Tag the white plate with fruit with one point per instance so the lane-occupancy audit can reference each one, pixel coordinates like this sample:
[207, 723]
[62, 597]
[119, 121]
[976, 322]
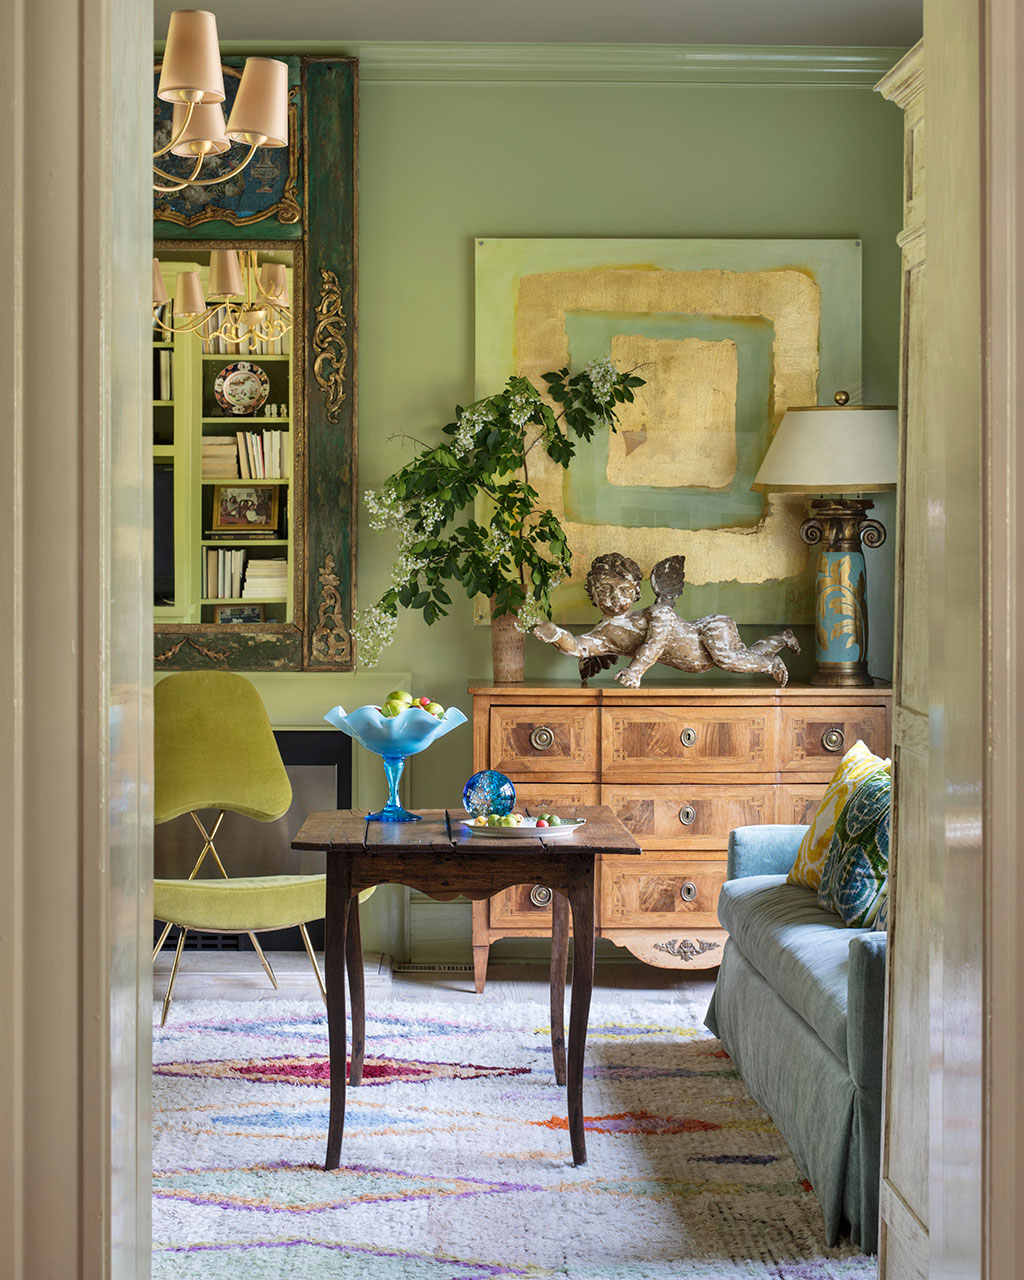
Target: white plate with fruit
[514, 826]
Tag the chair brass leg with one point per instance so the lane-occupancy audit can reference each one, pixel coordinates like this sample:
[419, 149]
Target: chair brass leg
[174, 974]
[163, 939]
[264, 961]
[312, 957]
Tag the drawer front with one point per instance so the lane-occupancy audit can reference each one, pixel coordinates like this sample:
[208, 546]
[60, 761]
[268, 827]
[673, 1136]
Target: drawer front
[562, 798]
[649, 892]
[544, 739]
[524, 906]
[814, 739]
[798, 802]
[677, 739]
[689, 815]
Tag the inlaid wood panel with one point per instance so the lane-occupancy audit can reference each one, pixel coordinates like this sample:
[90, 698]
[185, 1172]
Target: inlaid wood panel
[816, 738]
[688, 815]
[798, 802]
[556, 797]
[547, 740]
[646, 740]
[660, 892]
[516, 909]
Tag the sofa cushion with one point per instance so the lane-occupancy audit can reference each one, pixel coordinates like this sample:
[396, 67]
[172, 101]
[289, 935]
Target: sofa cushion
[855, 877]
[801, 950]
[858, 763]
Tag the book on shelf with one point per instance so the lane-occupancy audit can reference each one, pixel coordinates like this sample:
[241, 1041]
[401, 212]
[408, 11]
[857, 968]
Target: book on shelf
[265, 578]
[223, 572]
[220, 457]
[240, 535]
[261, 454]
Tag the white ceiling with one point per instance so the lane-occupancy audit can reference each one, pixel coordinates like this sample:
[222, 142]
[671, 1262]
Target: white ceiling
[782, 22]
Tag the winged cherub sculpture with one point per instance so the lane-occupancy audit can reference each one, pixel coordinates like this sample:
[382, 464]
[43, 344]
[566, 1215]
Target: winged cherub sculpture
[657, 633]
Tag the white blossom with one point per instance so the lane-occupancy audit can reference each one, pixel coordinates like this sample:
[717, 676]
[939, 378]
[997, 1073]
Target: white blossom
[385, 509]
[470, 422]
[374, 630]
[531, 612]
[602, 375]
[497, 544]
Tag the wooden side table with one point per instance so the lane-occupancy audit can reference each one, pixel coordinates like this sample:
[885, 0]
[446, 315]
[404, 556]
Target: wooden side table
[439, 857]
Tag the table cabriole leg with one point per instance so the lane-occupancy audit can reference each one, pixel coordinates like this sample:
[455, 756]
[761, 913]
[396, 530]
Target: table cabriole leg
[339, 892]
[559, 960]
[356, 992]
[581, 900]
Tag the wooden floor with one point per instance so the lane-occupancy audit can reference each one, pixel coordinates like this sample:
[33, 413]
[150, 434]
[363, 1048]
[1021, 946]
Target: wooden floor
[239, 976]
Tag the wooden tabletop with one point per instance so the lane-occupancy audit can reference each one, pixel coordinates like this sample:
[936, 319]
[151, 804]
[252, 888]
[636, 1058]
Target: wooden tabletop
[347, 831]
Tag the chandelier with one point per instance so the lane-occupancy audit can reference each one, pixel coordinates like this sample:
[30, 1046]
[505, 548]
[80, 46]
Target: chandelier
[192, 80]
[247, 304]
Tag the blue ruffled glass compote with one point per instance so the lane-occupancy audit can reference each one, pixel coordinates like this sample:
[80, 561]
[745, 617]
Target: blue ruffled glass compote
[393, 738]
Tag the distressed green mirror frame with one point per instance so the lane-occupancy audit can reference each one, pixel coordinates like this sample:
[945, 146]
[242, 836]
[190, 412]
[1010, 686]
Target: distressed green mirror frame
[316, 213]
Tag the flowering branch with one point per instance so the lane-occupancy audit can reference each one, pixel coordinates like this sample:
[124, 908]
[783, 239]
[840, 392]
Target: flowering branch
[519, 559]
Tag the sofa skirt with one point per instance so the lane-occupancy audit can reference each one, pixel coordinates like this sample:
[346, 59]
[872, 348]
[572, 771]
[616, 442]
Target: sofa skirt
[806, 1090]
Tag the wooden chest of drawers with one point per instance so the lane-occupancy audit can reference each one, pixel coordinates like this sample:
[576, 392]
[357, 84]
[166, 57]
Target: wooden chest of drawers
[681, 765]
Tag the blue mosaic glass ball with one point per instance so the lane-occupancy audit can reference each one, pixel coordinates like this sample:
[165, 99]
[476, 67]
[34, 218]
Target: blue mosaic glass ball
[488, 792]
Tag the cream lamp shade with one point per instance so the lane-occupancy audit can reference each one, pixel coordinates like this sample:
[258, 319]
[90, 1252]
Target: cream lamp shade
[191, 70]
[832, 449]
[274, 283]
[204, 134]
[225, 274]
[188, 296]
[159, 288]
[260, 111]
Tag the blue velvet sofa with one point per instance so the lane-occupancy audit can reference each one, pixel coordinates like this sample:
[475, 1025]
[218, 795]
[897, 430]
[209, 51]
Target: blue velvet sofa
[799, 1006]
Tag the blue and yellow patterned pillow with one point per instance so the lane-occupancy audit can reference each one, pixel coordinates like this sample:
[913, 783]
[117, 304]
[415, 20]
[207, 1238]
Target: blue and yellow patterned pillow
[855, 877]
[858, 763]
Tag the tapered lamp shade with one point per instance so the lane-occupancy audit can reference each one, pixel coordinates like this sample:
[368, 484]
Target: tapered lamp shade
[832, 449]
[188, 296]
[260, 109]
[225, 274]
[159, 288]
[205, 126]
[191, 70]
[274, 283]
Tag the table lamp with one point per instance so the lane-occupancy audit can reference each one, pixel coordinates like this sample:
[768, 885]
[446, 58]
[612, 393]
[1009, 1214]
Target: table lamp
[834, 451]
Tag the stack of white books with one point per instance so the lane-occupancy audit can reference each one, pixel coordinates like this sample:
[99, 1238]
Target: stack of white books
[220, 457]
[265, 579]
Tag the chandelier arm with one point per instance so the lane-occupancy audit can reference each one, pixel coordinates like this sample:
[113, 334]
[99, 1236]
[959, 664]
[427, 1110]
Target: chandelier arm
[176, 136]
[176, 178]
[225, 177]
[185, 328]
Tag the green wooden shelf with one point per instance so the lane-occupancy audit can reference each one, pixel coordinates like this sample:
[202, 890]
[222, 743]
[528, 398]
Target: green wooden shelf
[247, 600]
[241, 420]
[163, 404]
[163, 451]
[163, 346]
[233, 480]
[244, 542]
[251, 358]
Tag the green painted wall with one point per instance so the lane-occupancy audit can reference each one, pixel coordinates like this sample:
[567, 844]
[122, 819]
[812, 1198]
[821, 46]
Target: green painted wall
[442, 161]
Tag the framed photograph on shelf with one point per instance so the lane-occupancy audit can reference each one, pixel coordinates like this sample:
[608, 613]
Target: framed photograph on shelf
[239, 613]
[245, 507]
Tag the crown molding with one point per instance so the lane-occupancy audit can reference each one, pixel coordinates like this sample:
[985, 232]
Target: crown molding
[597, 63]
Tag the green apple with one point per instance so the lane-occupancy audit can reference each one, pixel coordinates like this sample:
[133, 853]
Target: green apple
[391, 708]
[435, 709]
[399, 695]
[554, 820]
[493, 819]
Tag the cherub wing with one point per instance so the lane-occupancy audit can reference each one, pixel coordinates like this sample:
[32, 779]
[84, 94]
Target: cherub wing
[667, 579]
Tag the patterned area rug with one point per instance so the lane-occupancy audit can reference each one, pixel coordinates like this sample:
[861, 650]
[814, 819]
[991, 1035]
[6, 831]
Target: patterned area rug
[456, 1159]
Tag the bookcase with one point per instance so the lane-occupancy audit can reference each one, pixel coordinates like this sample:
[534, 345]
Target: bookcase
[225, 484]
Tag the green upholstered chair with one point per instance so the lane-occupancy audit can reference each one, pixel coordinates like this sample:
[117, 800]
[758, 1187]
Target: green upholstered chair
[214, 749]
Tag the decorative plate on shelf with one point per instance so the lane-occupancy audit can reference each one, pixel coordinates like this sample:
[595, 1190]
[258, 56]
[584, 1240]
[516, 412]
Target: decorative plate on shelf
[528, 827]
[241, 387]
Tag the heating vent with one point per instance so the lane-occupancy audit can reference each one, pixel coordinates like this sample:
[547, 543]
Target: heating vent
[432, 968]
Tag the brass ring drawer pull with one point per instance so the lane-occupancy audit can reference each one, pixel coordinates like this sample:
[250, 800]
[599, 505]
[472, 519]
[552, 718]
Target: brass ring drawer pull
[833, 739]
[687, 815]
[542, 738]
[688, 891]
[540, 895]
[688, 737]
